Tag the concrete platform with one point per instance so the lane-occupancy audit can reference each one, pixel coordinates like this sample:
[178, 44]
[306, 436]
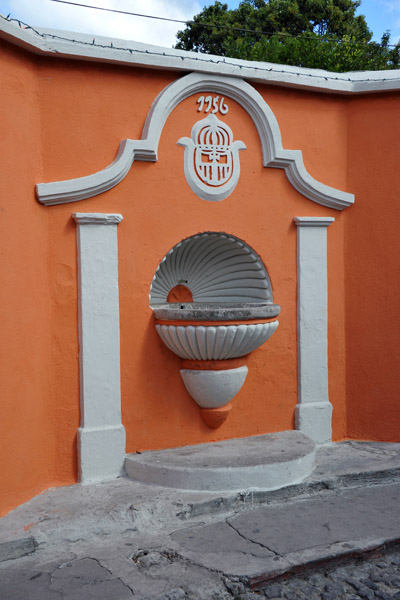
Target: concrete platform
[125, 539]
[264, 462]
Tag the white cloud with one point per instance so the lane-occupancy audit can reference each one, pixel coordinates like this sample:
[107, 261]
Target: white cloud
[46, 13]
[393, 10]
[392, 5]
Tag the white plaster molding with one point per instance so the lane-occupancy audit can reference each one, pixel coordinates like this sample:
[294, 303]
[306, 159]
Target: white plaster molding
[274, 155]
[216, 267]
[101, 436]
[214, 389]
[73, 190]
[313, 414]
[219, 342]
[79, 46]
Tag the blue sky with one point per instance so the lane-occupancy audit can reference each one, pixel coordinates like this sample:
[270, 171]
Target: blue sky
[381, 15]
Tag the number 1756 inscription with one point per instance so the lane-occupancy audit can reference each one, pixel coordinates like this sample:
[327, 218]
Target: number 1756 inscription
[215, 102]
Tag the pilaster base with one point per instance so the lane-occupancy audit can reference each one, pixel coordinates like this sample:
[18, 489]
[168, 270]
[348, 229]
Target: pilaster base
[314, 419]
[101, 453]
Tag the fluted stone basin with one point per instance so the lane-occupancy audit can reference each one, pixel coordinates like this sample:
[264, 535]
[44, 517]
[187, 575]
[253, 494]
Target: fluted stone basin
[217, 340]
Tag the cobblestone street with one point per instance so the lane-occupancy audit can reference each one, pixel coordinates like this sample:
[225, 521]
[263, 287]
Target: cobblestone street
[364, 579]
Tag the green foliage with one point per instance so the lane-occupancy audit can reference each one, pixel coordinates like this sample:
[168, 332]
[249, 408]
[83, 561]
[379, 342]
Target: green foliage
[323, 34]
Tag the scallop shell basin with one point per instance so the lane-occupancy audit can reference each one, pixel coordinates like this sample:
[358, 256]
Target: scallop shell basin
[220, 270]
[216, 267]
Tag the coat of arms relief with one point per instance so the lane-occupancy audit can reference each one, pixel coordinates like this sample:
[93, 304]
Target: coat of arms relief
[212, 166]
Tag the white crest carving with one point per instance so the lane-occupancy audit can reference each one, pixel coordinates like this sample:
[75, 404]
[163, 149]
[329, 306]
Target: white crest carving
[212, 165]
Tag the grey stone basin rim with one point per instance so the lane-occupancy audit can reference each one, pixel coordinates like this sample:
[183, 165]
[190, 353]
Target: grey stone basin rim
[221, 311]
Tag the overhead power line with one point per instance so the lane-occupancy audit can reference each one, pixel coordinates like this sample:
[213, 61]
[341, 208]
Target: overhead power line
[216, 26]
[115, 10]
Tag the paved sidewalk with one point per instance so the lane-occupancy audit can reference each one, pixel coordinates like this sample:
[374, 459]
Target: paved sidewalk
[123, 539]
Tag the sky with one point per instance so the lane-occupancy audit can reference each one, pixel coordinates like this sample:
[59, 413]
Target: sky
[381, 15]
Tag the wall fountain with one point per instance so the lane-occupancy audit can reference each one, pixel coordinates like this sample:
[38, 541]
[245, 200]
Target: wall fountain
[213, 305]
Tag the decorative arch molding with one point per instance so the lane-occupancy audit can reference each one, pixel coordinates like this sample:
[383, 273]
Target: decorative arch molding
[274, 155]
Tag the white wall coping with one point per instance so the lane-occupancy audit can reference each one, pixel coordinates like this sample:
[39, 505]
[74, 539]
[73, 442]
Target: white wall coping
[65, 44]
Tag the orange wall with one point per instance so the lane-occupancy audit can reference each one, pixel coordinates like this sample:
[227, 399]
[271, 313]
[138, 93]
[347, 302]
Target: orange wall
[66, 119]
[372, 269]
[27, 423]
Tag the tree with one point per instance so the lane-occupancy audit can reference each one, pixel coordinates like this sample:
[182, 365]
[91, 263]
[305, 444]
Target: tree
[324, 34]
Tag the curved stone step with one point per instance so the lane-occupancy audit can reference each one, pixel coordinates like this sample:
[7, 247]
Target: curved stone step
[264, 462]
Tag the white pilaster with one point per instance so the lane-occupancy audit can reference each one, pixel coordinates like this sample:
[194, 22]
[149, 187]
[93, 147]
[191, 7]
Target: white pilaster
[101, 436]
[313, 414]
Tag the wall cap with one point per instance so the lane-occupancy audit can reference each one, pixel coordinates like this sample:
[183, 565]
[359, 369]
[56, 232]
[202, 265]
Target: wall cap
[97, 218]
[78, 46]
[313, 221]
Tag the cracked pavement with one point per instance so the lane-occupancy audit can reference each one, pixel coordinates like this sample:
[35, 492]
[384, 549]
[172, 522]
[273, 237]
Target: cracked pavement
[123, 539]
